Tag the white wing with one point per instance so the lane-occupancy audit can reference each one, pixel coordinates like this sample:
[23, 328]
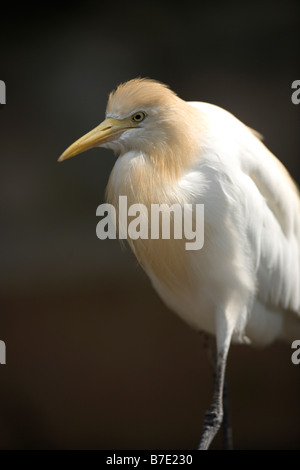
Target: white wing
[270, 206]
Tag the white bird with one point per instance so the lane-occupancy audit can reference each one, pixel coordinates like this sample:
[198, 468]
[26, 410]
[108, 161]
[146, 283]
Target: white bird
[243, 286]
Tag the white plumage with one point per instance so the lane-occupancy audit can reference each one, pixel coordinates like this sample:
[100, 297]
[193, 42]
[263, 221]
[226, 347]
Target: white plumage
[252, 235]
[244, 284]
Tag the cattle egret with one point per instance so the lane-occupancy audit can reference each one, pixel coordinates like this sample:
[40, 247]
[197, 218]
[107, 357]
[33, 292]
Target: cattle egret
[243, 286]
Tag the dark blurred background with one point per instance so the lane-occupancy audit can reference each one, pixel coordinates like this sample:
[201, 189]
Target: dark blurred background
[94, 359]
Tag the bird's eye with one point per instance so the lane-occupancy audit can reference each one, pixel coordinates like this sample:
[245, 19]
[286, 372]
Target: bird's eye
[139, 116]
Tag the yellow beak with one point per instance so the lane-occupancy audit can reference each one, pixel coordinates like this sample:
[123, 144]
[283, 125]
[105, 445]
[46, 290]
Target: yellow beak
[105, 132]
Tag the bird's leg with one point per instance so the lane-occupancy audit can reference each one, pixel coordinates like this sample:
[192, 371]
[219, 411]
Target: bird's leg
[214, 415]
[226, 426]
[210, 349]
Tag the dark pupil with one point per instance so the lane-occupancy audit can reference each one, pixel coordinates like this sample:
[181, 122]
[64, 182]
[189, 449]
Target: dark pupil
[138, 117]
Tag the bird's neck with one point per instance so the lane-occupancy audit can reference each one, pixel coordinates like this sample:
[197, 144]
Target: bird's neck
[153, 177]
[135, 177]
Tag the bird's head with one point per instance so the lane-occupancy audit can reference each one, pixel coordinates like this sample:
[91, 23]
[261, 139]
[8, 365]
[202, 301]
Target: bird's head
[146, 116]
